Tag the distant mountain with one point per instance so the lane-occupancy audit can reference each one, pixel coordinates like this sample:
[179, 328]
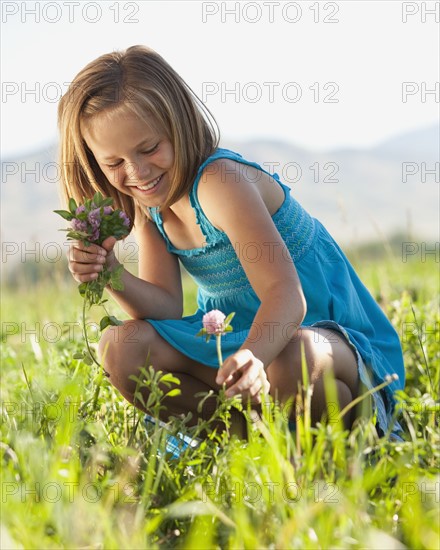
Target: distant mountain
[421, 144]
[362, 195]
[359, 195]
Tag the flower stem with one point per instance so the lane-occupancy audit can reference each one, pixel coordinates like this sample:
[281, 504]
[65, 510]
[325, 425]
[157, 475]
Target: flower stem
[219, 349]
[89, 349]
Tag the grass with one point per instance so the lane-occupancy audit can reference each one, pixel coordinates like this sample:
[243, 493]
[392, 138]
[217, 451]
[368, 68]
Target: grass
[80, 471]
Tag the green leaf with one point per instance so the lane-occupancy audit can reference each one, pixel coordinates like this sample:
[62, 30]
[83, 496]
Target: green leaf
[229, 318]
[107, 202]
[117, 285]
[65, 214]
[139, 397]
[116, 278]
[170, 378]
[109, 320]
[98, 199]
[173, 392]
[78, 355]
[88, 359]
[104, 323]
[115, 322]
[77, 235]
[151, 399]
[72, 205]
[82, 288]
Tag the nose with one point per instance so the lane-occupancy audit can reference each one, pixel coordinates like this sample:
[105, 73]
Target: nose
[137, 170]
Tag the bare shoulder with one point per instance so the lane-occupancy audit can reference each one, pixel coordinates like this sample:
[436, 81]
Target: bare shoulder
[235, 204]
[226, 183]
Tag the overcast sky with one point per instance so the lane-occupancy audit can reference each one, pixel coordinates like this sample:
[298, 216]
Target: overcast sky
[337, 69]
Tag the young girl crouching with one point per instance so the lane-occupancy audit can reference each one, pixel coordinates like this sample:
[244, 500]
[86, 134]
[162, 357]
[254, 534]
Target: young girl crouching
[132, 129]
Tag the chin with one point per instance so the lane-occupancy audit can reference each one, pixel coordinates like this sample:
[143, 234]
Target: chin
[152, 203]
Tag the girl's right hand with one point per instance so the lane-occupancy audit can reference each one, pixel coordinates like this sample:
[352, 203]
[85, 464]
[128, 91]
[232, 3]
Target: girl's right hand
[85, 262]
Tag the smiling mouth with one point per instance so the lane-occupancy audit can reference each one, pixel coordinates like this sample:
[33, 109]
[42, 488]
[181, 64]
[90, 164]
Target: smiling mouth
[150, 185]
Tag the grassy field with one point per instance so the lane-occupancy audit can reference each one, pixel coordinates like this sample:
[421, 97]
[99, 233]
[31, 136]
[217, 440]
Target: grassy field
[79, 469]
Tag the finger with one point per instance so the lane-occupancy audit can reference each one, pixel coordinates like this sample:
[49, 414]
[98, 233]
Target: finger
[109, 243]
[232, 379]
[92, 248]
[85, 278]
[253, 378]
[258, 391]
[77, 268]
[233, 363]
[78, 252]
[241, 386]
[260, 386]
[253, 395]
[81, 257]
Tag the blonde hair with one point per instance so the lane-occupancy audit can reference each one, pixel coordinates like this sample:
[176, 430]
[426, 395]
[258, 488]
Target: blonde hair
[140, 80]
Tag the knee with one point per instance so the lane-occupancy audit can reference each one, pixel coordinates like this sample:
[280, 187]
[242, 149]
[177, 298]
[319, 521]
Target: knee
[303, 346]
[286, 371]
[124, 344]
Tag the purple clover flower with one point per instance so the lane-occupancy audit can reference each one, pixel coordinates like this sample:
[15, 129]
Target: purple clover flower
[124, 218]
[80, 209]
[107, 210]
[94, 218]
[79, 225]
[95, 235]
[213, 322]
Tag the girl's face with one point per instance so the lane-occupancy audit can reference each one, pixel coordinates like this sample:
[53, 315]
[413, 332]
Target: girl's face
[135, 158]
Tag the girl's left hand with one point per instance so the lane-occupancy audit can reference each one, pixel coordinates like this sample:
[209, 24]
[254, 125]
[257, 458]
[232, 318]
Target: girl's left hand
[244, 374]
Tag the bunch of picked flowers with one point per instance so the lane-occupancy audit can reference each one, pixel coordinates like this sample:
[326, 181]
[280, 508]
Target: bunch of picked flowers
[92, 223]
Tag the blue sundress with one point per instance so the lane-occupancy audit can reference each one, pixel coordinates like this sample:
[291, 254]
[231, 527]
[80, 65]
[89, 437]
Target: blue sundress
[335, 296]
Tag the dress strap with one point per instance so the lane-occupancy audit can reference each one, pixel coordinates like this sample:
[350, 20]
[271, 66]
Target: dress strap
[157, 219]
[211, 233]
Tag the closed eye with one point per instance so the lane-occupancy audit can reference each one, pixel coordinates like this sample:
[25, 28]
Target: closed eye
[151, 150]
[112, 166]
[116, 164]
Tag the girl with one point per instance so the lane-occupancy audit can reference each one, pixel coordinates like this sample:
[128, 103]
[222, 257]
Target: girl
[132, 128]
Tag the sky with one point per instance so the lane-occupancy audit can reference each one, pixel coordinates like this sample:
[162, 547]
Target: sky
[321, 75]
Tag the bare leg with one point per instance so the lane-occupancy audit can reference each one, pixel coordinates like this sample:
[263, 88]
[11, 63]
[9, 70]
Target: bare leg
[126, 348]
[324, 349]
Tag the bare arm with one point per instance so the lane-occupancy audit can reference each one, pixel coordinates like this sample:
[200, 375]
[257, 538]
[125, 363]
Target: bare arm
[273, 277]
